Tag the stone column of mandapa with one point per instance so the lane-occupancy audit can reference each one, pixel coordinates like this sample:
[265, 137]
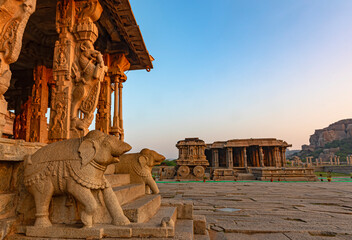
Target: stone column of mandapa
[215, 157]
[229, 158]
[245, 157]
[122, 136]
[261, 157]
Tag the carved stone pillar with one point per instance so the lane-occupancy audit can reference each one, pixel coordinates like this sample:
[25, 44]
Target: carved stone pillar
[229, 158]
[215, 158]
[78, 69]
[283, 157]
[22, 121]
[257, 160]
[121, 131]
[13, 19]
[261, 157]
[103, 117]
[38, 130]
[119, 65]
[275, 157]
[245, 164]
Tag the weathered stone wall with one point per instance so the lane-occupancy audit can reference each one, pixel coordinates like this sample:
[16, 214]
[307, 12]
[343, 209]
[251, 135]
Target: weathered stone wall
[335, 169]
[12, 153]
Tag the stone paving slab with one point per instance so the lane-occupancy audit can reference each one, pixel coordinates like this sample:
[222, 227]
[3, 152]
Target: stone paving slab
[269, 210]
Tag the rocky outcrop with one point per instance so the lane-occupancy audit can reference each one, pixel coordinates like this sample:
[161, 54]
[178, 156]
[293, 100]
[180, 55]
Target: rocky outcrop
[336, 131]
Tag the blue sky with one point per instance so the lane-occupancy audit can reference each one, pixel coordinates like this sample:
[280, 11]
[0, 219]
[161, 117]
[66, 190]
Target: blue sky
[227, 69]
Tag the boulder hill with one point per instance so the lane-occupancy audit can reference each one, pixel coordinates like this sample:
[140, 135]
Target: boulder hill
[336, 131]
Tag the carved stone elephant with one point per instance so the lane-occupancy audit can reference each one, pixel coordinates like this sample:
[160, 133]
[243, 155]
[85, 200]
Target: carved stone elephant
[75, 166]
[139, 166]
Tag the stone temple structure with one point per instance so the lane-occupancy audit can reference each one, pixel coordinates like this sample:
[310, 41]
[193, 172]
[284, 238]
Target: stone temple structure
[191, 162]
[242, 153]
[253, 159]
[70, 56]
[238, 159]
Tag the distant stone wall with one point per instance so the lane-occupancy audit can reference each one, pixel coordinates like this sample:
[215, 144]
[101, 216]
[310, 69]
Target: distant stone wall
[335, 169]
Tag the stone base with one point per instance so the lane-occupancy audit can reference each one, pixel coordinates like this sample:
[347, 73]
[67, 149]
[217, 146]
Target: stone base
[15, 150]
[223, 174]
[62, 231]
[284, 174]
[153, 228]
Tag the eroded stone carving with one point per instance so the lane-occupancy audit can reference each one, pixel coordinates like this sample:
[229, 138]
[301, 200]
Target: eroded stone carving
[76, 167]
[13, 19]
[139, 166]
[87, 75]
[78, 70]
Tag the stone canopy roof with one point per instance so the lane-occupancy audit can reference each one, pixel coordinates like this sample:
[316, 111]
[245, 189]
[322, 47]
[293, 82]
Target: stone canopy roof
[119, 22]
[262, 142]
[118, 33]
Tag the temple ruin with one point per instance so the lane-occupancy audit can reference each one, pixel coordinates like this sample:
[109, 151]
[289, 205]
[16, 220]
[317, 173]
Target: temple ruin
[243, 153]
[192, 161]
[73, 58]
[238, 159]
[69, 58]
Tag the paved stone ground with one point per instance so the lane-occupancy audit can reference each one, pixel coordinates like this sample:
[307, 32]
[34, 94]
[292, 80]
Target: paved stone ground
[270, 210]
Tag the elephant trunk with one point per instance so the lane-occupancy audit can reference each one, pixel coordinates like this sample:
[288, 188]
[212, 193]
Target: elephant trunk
[120, 148]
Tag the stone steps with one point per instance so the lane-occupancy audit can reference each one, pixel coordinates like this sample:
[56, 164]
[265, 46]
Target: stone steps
[142, 209]
[128, 193]
[155, 228]
[202, 237]
[151, 229]
[184, 229]
[117, 180]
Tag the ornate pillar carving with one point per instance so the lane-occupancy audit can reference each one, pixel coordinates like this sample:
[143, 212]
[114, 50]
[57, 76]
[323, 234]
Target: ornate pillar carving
[38, 131]
[103, 117]
[78, 69]
[229, 158]
[13, 19]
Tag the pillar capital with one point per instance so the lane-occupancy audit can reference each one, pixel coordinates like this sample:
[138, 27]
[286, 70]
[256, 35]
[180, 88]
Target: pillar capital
[118, 65]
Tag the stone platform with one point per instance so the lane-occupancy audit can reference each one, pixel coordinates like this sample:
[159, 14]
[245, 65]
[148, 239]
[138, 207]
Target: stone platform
[284, 174]
[269, 210]
[12, 153]
[150, 217]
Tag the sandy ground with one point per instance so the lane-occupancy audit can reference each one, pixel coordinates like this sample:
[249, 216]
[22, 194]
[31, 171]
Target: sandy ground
[269, 210]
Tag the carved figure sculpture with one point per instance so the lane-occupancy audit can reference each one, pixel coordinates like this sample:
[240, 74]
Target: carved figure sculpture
[139, 166]
[75, 166]
[87, 75]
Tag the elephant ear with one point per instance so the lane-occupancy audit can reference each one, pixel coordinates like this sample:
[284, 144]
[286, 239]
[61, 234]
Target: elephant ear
[143, 160]
[87, 151]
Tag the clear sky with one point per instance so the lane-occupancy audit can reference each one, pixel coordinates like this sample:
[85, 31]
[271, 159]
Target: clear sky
[227, 69]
